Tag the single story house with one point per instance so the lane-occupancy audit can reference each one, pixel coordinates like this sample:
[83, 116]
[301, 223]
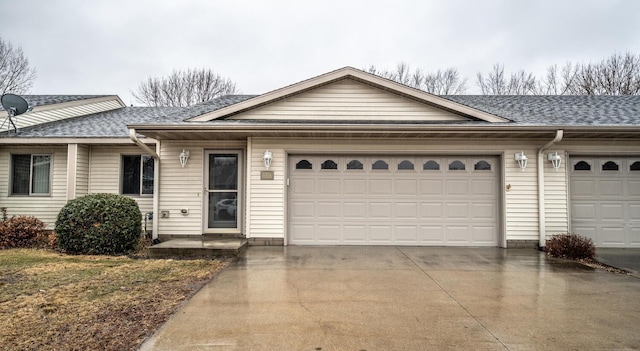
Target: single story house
[344, 158]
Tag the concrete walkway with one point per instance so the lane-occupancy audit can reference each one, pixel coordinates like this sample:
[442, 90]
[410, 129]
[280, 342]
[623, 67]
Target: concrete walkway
[389, 298]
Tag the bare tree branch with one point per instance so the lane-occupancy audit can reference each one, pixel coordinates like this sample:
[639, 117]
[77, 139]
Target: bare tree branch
[15, 74]
[447, 82]
[183, 88]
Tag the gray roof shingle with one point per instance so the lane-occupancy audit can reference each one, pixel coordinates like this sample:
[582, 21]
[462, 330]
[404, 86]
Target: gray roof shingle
[558, 109]
[42, 100]
[526, 110]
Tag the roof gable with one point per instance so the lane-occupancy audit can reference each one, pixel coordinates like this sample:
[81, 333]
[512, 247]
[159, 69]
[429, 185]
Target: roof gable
[348, 87]
[52, 108]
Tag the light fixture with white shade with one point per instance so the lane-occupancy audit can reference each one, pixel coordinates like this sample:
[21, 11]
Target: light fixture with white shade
[184, 157]
[556, 160]
[267, 158]
[521, 158]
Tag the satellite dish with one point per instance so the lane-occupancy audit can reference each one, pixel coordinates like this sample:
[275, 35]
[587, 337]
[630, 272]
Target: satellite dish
[14, 105]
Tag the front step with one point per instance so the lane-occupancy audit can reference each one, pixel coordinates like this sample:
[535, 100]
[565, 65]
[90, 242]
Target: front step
[192, 248]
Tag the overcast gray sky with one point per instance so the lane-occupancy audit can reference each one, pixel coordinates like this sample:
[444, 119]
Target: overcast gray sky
[109, 47]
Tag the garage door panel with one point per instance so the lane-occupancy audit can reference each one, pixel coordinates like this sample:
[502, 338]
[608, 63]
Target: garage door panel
[304, 232]
[584, 211]
[329, 210]
[406, 210]
[431, 187]
[432, 234]
[354, 233]
[303, 209]
[356, 187]
[611, 235]
[328, 232]
[484, 234]
[406, 186]
[484, 187]
[380, 187]
[380, 233]
[379, 210]
[634, 236]
[303, 186]
[610, 188]
[605, 203]
[612, 212]
[483, 211]
[581, 188]
[457, 234]
[457, 210]
[633, 186]
[634, 211]
[457, 187]
[355, 210]
[431, 210]
[393, 206]
[406, 233]
[329, 187]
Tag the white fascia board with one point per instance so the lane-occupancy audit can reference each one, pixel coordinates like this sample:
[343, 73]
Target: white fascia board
[349, 72]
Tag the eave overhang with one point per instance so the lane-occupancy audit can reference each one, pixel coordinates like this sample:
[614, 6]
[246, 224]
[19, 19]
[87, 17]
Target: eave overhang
[241, 131]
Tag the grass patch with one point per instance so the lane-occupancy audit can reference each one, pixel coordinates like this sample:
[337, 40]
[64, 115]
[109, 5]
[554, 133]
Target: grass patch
[51, 301]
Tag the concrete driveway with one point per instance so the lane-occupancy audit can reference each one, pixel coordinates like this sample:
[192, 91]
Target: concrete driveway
[406, 298]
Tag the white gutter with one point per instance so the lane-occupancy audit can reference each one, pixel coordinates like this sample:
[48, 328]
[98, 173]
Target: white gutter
[156, 177]
[541, 208]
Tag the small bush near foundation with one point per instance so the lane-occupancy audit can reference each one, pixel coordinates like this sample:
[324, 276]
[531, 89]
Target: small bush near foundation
[570, 246]
[21, 231]
[100, 224]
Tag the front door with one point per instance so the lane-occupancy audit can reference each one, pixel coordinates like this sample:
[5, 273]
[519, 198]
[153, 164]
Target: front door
[222, 189]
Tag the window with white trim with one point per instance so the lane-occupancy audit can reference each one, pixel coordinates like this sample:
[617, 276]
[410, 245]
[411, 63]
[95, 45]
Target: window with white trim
[31, 174]
[137, 175]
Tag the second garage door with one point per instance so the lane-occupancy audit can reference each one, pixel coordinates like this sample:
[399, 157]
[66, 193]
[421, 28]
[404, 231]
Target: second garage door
[395, 200]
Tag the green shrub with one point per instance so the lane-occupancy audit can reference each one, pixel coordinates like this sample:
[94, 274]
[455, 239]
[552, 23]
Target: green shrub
[102, 224]
[570, 246]
[21, 231]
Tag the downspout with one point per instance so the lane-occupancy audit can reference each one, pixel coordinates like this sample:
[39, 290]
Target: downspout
[143, 146]
[156, 177]
[541, 208]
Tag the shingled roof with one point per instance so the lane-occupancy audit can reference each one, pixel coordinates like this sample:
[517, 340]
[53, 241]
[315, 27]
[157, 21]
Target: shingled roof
[519, 110]
[43, 100]
[558, 109]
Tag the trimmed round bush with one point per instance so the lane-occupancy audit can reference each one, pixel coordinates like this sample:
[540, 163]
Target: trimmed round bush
[21, 232]
[100, 224]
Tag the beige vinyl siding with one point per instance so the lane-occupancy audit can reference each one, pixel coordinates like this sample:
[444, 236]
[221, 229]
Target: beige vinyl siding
[183, 187]
[82, 171]
[348, 99]
[56, 114]
[267, 197]
[44, 207]
[104, 172]
[556, 197]
[521, 199]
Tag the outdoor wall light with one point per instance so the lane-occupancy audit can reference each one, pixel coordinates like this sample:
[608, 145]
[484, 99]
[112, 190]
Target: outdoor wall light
[555, 159]
[267, 158]
[184, 157]
[521, 159]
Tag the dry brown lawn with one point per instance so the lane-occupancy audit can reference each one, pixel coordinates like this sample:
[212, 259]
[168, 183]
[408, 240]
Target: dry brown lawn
[51, 301]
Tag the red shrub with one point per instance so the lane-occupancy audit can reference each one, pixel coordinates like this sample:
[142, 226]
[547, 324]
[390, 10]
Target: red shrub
[21, 231]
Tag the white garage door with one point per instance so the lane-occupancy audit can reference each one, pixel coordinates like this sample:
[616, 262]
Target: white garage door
[365, 200]
[605, 200]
